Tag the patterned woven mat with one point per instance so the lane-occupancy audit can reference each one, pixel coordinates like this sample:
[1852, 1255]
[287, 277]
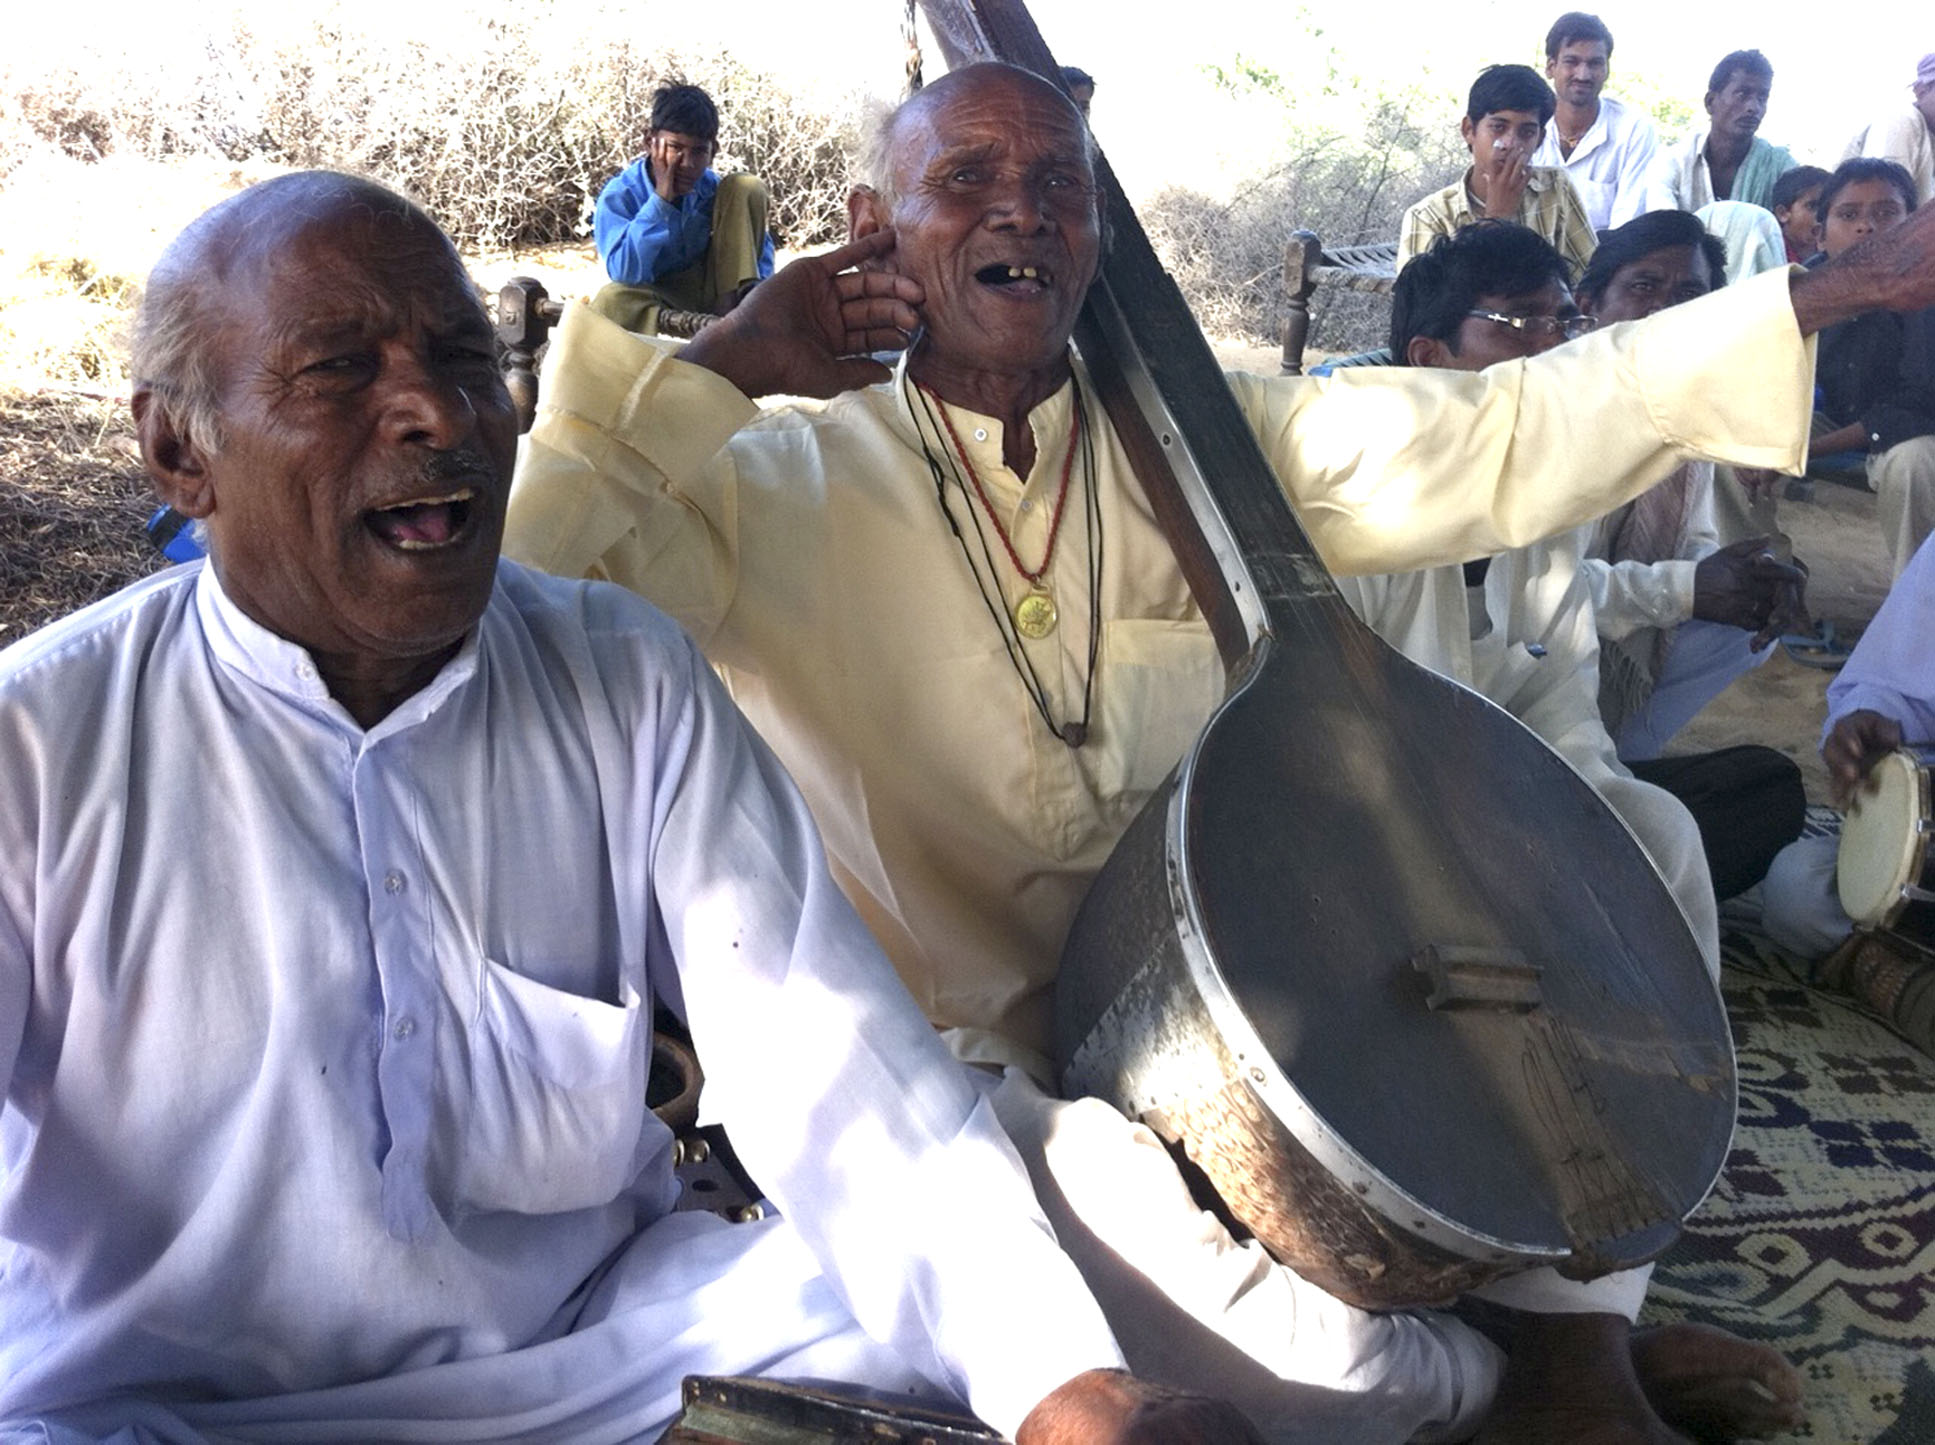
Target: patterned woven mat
[1820, 1237]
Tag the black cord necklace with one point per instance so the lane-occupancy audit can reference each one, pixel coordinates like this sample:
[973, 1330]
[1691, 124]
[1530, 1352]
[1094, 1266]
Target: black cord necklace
[1073, 733]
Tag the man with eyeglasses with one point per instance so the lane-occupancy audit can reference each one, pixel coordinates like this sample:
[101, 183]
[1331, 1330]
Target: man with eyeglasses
[681, 243]
[1682, 616]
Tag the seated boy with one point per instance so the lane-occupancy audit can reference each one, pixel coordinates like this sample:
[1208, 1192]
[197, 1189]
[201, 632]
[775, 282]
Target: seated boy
[1505, 118]
[1875, 373]
[1795, 203]
[681, 243]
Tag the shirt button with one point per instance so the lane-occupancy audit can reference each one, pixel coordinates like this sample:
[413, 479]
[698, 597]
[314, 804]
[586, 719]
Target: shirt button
[1027, 506]
[403, 1028]
[980, 433]
[392, 882]
[306, 671]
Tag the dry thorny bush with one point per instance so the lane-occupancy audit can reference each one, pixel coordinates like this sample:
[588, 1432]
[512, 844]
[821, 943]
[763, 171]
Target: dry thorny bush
[505, 132]
[507, 146]
[1227, 255]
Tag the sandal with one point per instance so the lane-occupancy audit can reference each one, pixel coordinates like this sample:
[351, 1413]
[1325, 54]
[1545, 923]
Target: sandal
[1820, 648]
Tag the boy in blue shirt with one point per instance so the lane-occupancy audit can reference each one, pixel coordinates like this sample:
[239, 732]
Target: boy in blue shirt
[681, 243]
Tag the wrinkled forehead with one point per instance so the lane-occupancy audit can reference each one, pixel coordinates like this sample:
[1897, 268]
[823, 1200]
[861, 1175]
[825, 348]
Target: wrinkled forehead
[351, 266]
[991, 109]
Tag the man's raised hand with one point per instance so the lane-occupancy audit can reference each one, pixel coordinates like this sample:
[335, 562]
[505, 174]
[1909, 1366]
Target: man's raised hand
[807, 330]
[1893, 270]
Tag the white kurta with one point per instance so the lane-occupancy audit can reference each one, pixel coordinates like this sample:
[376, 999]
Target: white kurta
[1633, 602]
[327, 1048]
[1608, 167]
[1901, 135]
[1629, 595]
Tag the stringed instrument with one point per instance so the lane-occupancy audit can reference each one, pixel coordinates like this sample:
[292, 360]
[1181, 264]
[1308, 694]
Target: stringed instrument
[1396, 977]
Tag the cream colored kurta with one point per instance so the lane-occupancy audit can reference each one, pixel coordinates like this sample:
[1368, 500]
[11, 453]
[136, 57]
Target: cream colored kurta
[807, 551]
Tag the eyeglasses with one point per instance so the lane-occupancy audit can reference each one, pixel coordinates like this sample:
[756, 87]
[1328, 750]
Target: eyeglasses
[1570, 327]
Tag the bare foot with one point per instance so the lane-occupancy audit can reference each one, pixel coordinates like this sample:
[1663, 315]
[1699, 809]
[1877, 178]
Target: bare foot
[1570, 1379]
[1715, 1386]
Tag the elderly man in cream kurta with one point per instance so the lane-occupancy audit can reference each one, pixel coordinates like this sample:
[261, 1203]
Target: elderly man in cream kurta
[848, 567]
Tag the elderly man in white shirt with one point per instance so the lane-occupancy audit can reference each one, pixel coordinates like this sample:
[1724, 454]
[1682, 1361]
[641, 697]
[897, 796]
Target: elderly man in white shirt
[342, 878]
[1603, 145]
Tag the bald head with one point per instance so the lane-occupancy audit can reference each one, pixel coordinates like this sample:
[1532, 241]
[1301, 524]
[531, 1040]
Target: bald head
[879, 166]
[347, 437]
[987, 182]
[176, 354]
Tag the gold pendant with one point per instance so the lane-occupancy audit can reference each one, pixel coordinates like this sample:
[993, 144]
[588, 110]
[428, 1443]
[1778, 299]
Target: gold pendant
[1035, 615]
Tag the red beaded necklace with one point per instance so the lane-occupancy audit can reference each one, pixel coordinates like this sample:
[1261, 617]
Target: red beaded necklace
[1035, 613]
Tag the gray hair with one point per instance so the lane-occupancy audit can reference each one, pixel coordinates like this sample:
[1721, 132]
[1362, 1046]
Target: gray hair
[172, 359]
[876, 159]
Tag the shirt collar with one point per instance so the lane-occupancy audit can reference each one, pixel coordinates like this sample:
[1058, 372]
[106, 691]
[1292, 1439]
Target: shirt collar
[1596, 134]
[982, 435]
[272, 662]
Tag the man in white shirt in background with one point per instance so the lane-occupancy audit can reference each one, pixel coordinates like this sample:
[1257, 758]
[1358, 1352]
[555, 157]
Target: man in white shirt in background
[1603, 145]
[1906, 134]
[1726, 159]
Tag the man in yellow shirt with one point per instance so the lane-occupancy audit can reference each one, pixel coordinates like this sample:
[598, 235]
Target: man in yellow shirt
[870, 579]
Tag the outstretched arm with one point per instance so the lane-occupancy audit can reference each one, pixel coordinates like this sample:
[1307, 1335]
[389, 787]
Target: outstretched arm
[1893, 270]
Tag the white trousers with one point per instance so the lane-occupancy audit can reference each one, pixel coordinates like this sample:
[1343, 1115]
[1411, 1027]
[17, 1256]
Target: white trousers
[1903, 478]
[1701, 664]
[1191, 1306]
[691, 1295]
